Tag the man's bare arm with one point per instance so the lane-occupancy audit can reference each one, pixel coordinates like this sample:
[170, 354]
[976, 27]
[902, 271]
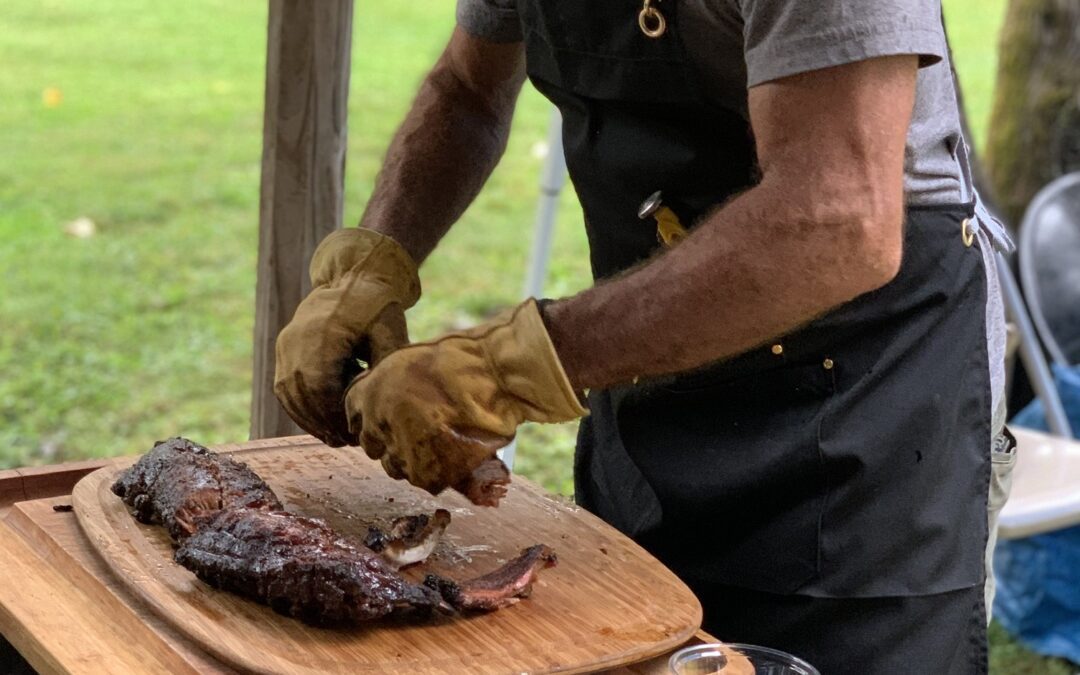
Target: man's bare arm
[824, 226]
[449, 143]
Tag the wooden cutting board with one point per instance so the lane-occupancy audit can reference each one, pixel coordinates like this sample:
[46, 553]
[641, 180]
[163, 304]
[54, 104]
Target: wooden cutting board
[607, 603]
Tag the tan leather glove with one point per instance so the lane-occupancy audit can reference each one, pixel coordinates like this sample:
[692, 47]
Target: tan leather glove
[362, 283]
[434, 412]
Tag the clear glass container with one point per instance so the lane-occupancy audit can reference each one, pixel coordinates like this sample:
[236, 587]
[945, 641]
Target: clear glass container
[710, 659]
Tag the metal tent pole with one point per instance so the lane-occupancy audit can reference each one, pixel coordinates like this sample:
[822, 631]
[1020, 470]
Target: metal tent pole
[1030, 353]
[552, 181]
[551, 184]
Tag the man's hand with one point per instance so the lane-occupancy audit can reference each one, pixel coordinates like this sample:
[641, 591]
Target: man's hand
[362, 283]
[445, 149]
[433, 412]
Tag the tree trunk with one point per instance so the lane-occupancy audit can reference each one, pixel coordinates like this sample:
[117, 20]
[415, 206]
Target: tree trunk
[978, 171]
[1035, 123]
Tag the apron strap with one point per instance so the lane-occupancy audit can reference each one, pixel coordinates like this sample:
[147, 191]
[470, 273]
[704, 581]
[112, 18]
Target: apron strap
[999, 235]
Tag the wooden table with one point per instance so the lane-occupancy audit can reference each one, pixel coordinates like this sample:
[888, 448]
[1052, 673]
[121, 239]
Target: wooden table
[87, 623]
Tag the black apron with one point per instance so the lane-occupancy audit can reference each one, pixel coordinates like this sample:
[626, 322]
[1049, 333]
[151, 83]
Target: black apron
[825, 494]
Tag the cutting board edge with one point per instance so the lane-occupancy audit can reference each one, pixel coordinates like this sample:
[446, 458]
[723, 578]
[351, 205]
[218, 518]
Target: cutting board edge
[57, 560]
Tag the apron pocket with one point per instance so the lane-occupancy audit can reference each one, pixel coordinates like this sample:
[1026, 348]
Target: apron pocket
[736, 467]
[1002, 463]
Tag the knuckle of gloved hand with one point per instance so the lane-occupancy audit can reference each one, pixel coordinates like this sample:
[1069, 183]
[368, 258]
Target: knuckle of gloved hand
[355, 423]
[372, 448]
[281, 385]
[335, 441]
[394, 467]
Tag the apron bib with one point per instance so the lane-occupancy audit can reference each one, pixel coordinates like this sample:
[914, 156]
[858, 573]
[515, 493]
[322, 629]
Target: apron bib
[847, 460]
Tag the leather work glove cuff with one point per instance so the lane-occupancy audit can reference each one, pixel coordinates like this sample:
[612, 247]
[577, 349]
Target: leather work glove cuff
[378, 257]
[436, 412]
[523, 358]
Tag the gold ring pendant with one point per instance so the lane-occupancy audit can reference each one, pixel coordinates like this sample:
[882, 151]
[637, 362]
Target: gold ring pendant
[651, 21]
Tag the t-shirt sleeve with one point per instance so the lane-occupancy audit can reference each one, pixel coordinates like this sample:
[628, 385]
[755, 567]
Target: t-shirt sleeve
[786, 37]
[493, 20]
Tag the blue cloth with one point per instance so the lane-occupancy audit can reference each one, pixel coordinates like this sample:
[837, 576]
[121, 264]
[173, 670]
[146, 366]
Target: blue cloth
[1033, 416]
[1038, 597]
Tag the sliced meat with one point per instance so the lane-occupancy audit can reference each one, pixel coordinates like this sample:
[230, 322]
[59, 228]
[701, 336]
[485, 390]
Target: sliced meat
[499, 588]
[300, 567]
[410, 539]
[233, 532]
[180, 482]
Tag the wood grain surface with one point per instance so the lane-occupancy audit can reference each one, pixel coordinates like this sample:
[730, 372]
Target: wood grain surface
[35, 482]
[67, 613]
[608, 603]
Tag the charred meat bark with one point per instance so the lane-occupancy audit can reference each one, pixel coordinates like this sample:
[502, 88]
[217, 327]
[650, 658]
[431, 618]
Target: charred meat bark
[234, 533]
[503, 587]
[409, 539]
[179, 482]
[300, 567]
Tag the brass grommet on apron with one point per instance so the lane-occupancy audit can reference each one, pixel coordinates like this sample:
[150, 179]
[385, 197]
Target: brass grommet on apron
[651, 21]
[777, 349]
[827, 364]
[967, 232]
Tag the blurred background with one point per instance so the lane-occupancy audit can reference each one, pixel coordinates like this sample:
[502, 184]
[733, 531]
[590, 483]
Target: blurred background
[130, 145]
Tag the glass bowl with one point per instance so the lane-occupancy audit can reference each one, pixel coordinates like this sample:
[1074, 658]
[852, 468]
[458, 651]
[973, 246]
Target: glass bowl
[711, 659]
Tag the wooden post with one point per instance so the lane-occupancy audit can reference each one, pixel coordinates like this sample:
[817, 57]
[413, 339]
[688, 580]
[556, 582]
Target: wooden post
[303, 171]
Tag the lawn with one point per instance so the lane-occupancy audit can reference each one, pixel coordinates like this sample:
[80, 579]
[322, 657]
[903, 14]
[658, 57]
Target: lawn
[146, 119]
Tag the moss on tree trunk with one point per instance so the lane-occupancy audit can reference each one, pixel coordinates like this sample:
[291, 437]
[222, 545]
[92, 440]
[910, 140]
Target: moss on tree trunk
[1035, 122]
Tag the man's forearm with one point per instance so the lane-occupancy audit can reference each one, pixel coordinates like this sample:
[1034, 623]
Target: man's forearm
[444, 151]
[755, 269]
[824, 226]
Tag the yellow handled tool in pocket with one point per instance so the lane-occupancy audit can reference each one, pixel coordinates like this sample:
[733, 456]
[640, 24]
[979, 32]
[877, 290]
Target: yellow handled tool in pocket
[669, 230]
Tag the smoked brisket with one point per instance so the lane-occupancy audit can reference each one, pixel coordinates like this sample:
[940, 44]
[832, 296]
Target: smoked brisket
[179, 482]
[300, 567]
[233, 532]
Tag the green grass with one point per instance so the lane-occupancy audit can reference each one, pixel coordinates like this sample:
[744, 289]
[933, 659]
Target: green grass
[144, 329]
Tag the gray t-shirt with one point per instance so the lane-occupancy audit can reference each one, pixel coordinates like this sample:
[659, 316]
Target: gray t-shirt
[737, 44]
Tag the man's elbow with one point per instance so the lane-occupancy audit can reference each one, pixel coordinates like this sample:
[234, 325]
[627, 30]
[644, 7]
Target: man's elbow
[861, 239]
[878, 243]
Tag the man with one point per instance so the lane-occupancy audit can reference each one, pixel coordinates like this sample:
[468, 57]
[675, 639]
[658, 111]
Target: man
[791, 405]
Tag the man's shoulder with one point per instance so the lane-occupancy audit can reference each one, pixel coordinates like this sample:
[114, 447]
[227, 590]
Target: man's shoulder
[785, 37]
